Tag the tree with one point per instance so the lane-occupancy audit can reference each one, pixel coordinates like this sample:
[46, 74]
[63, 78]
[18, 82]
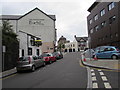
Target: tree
[9, 39]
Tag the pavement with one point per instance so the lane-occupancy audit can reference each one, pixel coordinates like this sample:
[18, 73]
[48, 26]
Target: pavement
[109, 64]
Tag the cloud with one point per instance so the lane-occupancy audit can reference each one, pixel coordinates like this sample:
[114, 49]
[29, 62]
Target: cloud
[70, 16]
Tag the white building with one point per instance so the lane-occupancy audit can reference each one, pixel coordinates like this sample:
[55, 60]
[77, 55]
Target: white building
[35, 25]
[79, 44]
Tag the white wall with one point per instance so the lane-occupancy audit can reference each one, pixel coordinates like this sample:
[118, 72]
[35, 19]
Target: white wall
[46, 30]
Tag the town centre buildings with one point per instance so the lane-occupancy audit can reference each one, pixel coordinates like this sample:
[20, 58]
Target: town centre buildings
[34, 26]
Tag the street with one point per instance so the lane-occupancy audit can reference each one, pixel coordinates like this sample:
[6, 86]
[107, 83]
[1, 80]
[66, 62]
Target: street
[64, 73]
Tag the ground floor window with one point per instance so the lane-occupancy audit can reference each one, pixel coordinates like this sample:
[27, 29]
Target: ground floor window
[29, 51]
[22, 52]
[37, 52]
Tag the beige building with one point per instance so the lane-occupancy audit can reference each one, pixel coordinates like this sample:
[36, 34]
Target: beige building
[34, 23]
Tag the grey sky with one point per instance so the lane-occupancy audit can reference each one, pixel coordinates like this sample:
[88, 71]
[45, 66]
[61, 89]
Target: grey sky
[71, 15]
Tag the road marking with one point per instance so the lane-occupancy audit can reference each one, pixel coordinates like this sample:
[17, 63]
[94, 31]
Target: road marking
[99, 70]
[8, 77]
[93, 74]
[101, 73]
[95, 85]
[89, 83]
[92, 70]
[104, 78]
[107, 85]
[94, 78]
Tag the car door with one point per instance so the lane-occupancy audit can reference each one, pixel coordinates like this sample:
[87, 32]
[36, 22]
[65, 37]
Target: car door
[101, 53]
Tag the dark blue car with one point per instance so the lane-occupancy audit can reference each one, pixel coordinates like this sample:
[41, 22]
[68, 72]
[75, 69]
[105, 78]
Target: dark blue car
[112, 52]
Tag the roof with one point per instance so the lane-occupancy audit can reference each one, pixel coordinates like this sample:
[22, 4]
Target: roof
[79, 38]
[16, 17]
[93, 6]
[10, 17]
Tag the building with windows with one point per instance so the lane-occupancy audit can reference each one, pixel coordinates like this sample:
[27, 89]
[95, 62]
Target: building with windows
[36, 31]
[104, 24]
[79, 44]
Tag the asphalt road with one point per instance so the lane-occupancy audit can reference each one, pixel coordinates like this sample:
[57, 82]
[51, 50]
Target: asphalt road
[64, 73]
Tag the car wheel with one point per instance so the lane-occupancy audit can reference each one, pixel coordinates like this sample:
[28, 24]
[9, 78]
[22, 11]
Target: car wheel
[33, 68]
[50, 62]
[114, 57]
[44, 64]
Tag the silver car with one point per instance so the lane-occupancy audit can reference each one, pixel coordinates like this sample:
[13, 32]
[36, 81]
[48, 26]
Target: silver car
[29, 63]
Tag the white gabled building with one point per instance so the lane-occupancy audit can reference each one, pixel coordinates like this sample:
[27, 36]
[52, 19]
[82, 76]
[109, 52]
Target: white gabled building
[79, 44]
[34, 25]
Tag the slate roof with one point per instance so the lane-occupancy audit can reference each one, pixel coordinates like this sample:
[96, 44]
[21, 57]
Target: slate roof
[79, 38]
[16, 17]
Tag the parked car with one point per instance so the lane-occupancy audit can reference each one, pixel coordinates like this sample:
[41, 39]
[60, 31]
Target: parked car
[58, 55]
[112, 52]
[48, 57]
[29, 63]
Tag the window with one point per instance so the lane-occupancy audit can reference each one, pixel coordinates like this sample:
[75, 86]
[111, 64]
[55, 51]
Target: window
[111, 5]
[111, 19]
[91, 30]
[102, 12]
[29, 51]
[103, 24]
[97, 28]
[116, 34]
[90, 21]
[96, 17]
[22, 52]
[37, 52]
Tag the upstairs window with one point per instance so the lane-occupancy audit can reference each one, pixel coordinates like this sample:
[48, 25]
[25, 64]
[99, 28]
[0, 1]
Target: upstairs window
[102, 12]
[90, 21]
[96, 17]
[91, 31]
[111, 19]
[103, 24]
[111, 6]
[96, 28]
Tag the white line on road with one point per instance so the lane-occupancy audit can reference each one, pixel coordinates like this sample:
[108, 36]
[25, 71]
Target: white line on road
[104, 78]
[107, 85]
[101, 73]
[92, 70]
[99, 70]
[93, 74]
[94, 78]
[95, 85]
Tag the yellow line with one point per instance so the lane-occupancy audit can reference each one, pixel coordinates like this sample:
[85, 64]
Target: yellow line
[8, 77]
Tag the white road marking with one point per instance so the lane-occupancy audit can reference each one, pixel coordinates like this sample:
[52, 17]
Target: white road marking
[101, 73]
[92, 70]
[107, 85]
[94, 78]
[93, 74]
[99, 70]
[95, 85]
[104, 78]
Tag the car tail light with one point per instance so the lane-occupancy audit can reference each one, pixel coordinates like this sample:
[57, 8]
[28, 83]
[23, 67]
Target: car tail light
[29, 59]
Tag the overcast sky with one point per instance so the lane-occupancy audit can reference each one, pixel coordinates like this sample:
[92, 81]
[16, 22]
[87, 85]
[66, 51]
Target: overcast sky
[71, 15]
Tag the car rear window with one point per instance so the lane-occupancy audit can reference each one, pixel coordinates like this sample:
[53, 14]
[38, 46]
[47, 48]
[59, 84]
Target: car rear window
[118, 48]
[23, 58]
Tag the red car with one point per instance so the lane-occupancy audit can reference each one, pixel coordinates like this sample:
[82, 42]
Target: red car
[48, 57]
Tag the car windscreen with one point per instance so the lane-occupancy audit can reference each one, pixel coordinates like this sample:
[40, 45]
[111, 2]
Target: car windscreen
[46, 55]
[23, 58]
[118, 48]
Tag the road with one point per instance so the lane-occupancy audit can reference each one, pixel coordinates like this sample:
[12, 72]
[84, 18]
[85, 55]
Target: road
[64, 73]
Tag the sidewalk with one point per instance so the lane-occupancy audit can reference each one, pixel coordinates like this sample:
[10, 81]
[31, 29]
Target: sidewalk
[8, 72]
[102, 63]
